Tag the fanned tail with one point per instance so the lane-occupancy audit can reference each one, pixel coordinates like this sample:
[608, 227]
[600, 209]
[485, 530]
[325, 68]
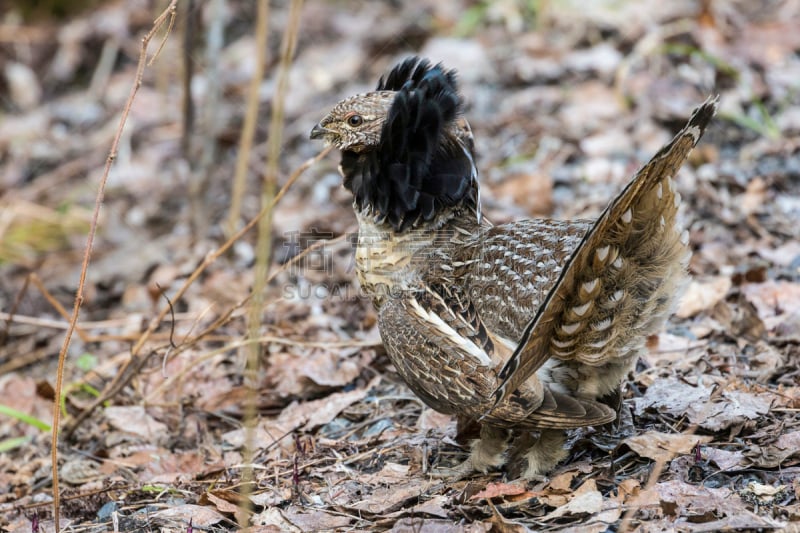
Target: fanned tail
[600, 301]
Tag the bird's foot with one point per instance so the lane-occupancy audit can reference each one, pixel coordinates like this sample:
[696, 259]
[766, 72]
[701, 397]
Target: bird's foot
[486, 453]
[543, 456]
[458, 472]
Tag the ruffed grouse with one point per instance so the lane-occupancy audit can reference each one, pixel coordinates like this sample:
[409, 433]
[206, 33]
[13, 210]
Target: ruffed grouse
[529, 327]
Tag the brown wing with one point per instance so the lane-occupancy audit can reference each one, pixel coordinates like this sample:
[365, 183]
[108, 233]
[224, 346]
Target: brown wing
[614, 279]
[437, 353]
[444, 354]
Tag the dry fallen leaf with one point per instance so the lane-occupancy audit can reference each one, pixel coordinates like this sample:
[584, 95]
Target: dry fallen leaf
[79, 470]
[675, 397]
[225, 501]
[732, 408]
[315, 520]
[314, 413]
[671, 396]
[436, 506]
[586, 500]
[562, 483]
[664, 446]
[501, 524]
[724, 459]
[200, 516]
[274, 517]
[425, 525]
[685, 499]
[627, 489]
[499, 490]
[135, 420]
[703, 295]
[386, 499]
[785, 449]
[776, 301]
[271, 497]
[390, 473]
[298, 371]
[558, 491]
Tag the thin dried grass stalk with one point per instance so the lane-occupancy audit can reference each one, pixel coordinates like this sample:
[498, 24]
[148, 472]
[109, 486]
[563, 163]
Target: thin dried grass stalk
[264, 244]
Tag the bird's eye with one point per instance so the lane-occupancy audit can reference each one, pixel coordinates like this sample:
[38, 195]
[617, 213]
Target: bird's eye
[355, 120]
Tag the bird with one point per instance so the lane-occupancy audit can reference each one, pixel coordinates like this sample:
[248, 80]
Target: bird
[528, 328]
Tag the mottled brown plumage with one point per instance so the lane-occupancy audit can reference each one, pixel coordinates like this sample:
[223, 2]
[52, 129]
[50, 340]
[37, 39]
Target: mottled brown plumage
[525, 327]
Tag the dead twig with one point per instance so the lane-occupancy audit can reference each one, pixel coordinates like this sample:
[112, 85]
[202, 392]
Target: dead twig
[167, 15]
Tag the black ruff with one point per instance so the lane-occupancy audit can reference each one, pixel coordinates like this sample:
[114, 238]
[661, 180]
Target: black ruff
[419, 167]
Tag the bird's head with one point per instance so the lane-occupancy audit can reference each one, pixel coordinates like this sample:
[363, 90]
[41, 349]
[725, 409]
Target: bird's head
[406, 152]
[355, 123]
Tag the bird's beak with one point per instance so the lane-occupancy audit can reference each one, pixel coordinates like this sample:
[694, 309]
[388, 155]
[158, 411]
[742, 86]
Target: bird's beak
[318, 132]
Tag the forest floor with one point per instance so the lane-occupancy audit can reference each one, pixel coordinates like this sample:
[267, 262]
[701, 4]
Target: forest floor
[566, 99]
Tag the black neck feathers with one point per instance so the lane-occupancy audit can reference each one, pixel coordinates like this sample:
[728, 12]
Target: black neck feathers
[421, 164]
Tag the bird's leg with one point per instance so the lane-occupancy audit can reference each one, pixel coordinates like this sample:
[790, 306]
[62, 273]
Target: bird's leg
[486, 453]
[489, 451]
[541, 456]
